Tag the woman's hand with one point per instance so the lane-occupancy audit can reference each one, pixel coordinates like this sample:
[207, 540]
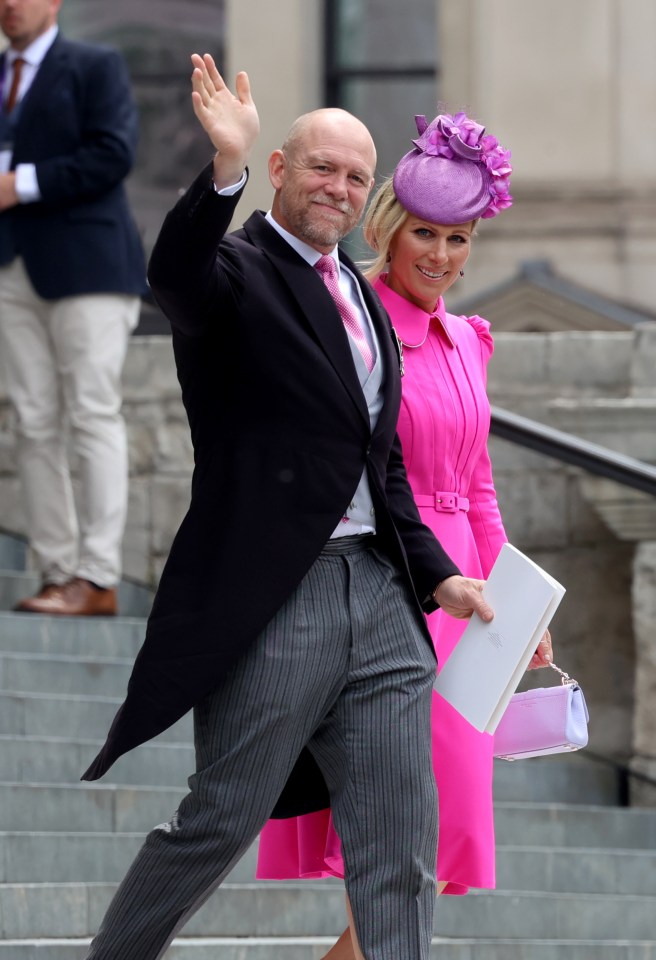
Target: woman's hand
[543, 656]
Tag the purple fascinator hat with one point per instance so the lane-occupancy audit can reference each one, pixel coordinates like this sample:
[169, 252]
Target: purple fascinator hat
[455, 173]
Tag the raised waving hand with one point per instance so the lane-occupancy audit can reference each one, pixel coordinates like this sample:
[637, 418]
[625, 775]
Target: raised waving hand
[230, 120]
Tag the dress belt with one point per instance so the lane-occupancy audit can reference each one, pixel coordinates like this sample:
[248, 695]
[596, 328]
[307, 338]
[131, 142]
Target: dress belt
[442, 500]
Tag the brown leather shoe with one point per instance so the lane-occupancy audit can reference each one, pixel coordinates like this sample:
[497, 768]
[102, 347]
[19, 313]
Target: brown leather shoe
[28, 604]
[77, 598]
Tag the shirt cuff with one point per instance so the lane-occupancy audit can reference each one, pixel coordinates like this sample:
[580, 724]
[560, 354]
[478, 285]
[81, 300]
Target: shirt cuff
[27, 185]
[235, 188]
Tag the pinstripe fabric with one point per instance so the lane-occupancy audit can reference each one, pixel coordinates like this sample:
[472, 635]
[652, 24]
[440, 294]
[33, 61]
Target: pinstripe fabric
[345, 667]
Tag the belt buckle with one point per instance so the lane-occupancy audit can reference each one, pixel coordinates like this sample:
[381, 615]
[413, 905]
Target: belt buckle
[447, 502]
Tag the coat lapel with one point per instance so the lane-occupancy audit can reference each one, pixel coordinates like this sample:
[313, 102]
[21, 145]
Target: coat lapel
[308, 289]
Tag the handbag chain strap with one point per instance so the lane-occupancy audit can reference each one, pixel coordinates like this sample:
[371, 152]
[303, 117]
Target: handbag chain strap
[565, 678]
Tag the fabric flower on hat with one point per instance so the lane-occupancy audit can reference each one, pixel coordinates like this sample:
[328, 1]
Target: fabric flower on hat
[459, 137]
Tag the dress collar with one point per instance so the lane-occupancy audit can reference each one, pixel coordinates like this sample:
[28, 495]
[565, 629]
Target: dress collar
[411, 323]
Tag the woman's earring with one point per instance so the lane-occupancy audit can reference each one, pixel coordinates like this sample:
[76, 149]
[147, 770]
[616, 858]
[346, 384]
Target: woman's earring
[462, 273]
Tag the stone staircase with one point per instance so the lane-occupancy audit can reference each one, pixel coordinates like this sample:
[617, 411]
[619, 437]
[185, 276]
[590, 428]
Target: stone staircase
[576, 873]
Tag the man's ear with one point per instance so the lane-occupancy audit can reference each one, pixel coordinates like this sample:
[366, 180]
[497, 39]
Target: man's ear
[277, 169]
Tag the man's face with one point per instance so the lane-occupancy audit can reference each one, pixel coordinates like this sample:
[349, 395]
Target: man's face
[323, 181]
[22, 21]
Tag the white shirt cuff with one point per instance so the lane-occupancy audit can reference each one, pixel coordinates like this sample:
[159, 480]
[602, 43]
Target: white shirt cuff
[231, 191]
[27, 185]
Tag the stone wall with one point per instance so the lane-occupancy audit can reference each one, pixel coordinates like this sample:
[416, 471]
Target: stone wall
[592, 535]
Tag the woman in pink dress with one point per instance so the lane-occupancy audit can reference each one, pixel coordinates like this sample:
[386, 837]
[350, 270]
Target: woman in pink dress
[420, 224]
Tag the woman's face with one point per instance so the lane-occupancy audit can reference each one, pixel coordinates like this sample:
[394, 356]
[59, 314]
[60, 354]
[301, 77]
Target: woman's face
[426, 258]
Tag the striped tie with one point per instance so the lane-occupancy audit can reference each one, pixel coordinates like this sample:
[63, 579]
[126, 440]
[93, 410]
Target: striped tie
[327, 267]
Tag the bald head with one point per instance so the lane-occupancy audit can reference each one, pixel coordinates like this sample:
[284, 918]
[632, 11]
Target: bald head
[322, 176]
[331, 122]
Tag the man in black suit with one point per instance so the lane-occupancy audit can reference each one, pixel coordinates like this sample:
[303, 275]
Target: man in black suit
[289, 614]
[71, 276]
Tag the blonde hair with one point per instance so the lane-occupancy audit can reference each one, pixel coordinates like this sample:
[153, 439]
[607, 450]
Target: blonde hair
[384, 217]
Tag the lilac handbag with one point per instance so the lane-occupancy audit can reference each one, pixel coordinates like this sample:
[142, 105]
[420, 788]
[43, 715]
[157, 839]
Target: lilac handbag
[543, 721]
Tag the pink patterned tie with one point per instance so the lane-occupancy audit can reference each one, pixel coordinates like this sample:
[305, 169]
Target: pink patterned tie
[327, 267]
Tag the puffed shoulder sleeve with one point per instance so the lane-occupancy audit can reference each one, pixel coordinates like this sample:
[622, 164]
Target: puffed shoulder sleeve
[481, 328]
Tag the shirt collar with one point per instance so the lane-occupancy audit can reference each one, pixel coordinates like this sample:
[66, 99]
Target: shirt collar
[303, 249]
[37, 50]
[410, 321]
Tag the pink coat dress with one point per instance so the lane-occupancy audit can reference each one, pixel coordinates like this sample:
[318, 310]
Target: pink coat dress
[443, 425]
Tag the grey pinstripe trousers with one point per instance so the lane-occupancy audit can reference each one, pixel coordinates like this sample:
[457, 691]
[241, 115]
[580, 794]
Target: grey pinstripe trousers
[345, 667]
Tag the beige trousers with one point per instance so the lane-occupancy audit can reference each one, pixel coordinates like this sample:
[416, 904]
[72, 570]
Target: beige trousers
[61, 363]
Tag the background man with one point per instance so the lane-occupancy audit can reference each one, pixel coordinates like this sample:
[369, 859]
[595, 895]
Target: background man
[71, 274]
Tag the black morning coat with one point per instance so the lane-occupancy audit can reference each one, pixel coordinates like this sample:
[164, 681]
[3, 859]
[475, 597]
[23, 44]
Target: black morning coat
[281, 436]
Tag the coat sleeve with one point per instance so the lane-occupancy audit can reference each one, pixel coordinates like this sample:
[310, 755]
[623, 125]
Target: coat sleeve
[188, 278]
[484, 515]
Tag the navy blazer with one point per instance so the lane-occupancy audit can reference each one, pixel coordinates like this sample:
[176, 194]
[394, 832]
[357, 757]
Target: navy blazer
[281, 436]
[78, 125]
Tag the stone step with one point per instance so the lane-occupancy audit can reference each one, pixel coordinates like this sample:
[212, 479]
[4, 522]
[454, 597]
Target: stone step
[54, 760]
[43, 673]
[314, 948]
[568, 779]
[61, 760]
[39, 857]
[118, 640]
[71, 716]
[317, 909]
[575, 825]
[31, 857]
[563, 778]
[71, 636]
[107, 807]
[134, 599]
[13, 552]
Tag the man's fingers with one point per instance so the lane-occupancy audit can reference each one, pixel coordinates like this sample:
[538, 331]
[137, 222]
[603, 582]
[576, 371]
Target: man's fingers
[207, 81]
[479, 604]
[198, 82]
[483, 609]
[215, 78]
[205, 78]
[243, 88]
